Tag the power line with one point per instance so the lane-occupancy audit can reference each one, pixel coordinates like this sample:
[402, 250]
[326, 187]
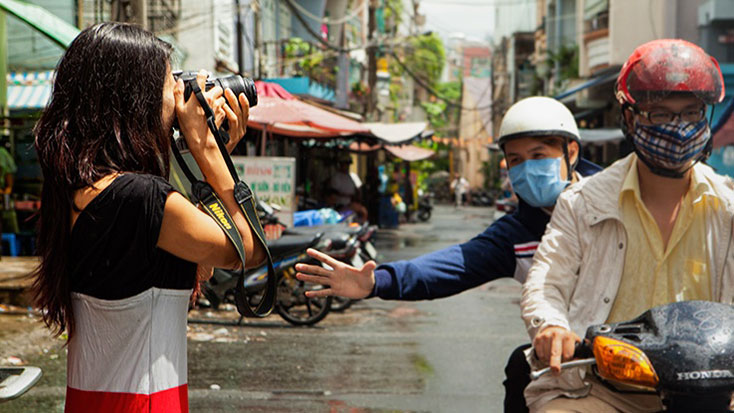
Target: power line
[347, 16]
[507, 3]
[433, 91]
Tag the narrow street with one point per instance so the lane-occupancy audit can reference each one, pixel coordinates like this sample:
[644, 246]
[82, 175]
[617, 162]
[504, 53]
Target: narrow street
[437, 356]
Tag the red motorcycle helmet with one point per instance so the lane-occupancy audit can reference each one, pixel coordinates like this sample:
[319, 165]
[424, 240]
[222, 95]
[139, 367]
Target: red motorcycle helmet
[661, 67]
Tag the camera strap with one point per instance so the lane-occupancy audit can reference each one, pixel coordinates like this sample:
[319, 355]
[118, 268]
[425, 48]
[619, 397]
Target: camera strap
[210, 202]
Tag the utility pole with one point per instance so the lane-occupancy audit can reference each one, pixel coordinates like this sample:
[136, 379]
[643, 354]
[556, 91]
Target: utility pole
[80, 14]
[238, 42]
[4, 112]
[130, 11]
[371, 60]
[257, 24]
[342, 77]
[140, 12]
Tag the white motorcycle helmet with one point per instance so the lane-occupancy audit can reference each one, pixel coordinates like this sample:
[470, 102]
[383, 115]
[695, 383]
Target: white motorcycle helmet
[539, 116]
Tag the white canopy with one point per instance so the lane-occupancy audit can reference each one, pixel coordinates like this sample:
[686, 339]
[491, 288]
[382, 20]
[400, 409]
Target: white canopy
[398, 133]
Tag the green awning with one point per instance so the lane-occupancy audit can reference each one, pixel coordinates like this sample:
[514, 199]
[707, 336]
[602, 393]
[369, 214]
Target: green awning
[56, 29]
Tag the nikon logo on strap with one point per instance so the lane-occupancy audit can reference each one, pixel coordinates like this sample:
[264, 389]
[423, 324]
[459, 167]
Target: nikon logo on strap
[220, 215]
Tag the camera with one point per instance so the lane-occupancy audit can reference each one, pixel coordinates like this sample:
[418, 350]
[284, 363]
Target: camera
[237, 83]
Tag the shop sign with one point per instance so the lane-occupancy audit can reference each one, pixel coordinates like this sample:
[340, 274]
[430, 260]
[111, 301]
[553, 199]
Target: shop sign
[273, 179]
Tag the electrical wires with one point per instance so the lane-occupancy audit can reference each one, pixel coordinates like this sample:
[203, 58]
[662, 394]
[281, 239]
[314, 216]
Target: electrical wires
[424, 84]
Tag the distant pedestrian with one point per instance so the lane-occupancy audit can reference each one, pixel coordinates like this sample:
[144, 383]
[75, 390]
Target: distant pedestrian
[460, 186]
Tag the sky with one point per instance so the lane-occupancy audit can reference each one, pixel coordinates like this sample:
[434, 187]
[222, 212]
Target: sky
[474, 18]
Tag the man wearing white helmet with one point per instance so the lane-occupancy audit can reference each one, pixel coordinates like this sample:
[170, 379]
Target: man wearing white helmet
[652, 229]
[541, 142]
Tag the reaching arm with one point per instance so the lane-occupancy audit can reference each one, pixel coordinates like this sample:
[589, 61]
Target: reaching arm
[438, 274]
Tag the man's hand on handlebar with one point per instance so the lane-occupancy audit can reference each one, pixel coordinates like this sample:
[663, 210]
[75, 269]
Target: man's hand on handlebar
[554, 345]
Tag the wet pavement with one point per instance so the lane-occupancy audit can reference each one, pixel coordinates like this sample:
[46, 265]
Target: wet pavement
[444, 355]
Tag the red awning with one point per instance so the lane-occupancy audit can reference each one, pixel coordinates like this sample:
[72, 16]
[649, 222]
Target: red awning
[410, 153]
[364, 147]
[281, 113]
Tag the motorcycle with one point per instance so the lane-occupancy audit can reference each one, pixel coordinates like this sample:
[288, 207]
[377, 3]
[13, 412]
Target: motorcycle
[14, 381]
[682, 351]
[480, 197]
[292, 304]
[425, 206]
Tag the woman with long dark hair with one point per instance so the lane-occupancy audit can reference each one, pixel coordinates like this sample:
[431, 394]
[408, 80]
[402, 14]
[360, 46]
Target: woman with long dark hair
[119, 246]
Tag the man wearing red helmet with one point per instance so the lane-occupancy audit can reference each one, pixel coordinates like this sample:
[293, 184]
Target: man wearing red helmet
[653, 228]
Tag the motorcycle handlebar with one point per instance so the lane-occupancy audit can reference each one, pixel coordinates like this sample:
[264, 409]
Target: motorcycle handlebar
[535, 375]
[583, 356]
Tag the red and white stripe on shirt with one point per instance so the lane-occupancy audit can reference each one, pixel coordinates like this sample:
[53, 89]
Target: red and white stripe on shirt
[129, 355]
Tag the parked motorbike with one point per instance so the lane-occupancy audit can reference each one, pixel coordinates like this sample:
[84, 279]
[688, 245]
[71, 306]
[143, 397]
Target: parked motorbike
[292, 305]
[425, 206]
[480, 197]
[350, 243]
[683, 351]
[14, 381]
[506, 205]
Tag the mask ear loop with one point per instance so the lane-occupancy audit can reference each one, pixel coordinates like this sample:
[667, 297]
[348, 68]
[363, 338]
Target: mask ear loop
[567, 159]
[710, 144]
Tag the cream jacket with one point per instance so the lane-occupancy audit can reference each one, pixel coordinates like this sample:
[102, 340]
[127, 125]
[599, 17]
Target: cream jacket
[578, 266]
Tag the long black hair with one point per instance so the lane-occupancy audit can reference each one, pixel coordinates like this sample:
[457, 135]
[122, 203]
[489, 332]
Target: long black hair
[104, 116]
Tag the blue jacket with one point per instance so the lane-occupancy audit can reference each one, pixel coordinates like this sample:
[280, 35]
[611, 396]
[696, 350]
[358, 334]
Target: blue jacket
[505, 249]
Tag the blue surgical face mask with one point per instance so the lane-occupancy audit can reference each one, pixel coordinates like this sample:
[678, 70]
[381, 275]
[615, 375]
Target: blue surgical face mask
[538, 181]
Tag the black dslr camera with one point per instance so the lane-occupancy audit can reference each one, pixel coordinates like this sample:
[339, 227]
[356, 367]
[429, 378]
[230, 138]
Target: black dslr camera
[236, 83]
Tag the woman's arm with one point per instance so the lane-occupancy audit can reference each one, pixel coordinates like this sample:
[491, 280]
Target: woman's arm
[186, 231]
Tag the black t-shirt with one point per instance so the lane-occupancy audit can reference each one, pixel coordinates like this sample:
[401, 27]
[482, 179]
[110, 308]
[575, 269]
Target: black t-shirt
[113, 242]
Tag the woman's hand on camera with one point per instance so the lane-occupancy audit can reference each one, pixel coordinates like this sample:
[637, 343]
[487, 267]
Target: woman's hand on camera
[237, 115]
[191, 116]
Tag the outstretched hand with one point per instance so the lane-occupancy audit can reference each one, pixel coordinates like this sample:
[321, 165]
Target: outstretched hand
[342, 279]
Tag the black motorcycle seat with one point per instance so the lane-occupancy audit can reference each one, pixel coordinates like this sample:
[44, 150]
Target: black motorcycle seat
[327, 229]
[338, 240]
[292, 244]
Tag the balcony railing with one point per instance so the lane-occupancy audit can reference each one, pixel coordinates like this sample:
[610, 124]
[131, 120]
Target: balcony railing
[597, 22]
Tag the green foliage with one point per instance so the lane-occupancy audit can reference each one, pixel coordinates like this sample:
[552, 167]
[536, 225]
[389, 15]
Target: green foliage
[439, 113]
[427, 167]
[568, 59]
[310, 62]
[393, 14]
[426, 57]
[309, 59]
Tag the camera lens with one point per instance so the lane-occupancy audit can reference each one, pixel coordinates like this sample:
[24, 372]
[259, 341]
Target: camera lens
[238, 84]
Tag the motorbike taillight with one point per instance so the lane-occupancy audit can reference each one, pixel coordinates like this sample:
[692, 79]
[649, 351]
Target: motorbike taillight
[623, 362]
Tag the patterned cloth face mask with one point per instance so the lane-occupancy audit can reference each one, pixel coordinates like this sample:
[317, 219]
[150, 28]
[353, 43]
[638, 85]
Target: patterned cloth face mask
[671, 145]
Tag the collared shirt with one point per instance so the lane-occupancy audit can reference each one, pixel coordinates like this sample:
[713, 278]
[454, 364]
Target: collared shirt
[655, 274]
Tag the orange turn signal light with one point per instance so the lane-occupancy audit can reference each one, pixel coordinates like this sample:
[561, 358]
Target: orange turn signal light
[623, 362]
